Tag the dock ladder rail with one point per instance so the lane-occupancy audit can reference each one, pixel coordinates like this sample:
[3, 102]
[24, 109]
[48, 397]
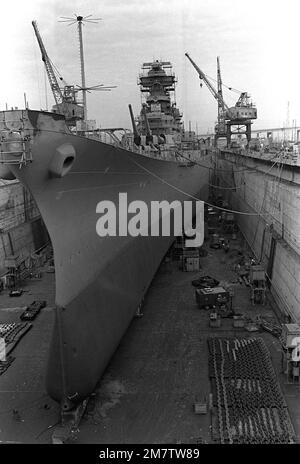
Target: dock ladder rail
[15, 148]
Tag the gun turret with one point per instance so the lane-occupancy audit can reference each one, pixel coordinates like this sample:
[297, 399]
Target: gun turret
[136, 135]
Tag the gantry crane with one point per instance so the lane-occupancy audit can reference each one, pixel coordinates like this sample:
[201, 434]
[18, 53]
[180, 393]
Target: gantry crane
[221, 125]
[65, 99]
[234, 120]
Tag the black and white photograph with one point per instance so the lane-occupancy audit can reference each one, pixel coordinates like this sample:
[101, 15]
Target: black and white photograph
[149, 226]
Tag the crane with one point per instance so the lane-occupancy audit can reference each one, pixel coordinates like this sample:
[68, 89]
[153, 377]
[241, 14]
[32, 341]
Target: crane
[218, 95]
[221, 104]
[57, 93]
[239, 116]
[65, 100]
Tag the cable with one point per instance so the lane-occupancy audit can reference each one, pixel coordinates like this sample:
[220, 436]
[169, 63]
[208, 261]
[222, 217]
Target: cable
[188, 159]
[232, 89]
[230, 170]
[225, 188]
[58, 74]
[226, 170]
[266, 172]
[195, 198]
[189, 195]
[219, 169]
[180, 154]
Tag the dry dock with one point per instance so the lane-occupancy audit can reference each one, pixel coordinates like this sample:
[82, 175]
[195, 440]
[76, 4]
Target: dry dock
[156, 376]
[267, 188]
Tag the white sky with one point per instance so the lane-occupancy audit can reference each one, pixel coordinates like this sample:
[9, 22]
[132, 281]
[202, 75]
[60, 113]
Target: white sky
[257, 41]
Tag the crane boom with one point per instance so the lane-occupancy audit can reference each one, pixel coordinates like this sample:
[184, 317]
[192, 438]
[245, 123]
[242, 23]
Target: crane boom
[202, 76]
[57, 93]
[220, 90]
[221, 126]
[239, 116]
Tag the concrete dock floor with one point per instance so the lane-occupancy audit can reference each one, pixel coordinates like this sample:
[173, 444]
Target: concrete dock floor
[159, 370]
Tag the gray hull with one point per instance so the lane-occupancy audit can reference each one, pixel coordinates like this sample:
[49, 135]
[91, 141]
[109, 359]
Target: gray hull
[99, 281]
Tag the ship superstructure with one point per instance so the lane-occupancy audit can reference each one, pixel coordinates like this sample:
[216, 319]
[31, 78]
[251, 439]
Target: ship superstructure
[158, 130]
[158, 81]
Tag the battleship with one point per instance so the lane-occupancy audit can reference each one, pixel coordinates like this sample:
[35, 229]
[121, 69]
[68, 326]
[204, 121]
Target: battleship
[214, 359]
[69, 167]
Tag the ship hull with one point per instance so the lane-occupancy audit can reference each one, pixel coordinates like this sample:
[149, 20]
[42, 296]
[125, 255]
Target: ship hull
[100, 281]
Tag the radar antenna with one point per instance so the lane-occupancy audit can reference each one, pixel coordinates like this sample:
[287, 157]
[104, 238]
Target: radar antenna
[80, 20]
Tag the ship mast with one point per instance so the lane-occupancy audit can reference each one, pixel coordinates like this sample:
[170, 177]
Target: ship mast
[80, 20]
[83, 86]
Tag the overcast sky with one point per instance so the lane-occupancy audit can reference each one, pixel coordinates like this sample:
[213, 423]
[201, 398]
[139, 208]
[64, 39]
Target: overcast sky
[257, 41]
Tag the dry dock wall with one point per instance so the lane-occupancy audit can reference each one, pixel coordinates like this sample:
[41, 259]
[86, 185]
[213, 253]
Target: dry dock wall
[21, 228]
[271, 189]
